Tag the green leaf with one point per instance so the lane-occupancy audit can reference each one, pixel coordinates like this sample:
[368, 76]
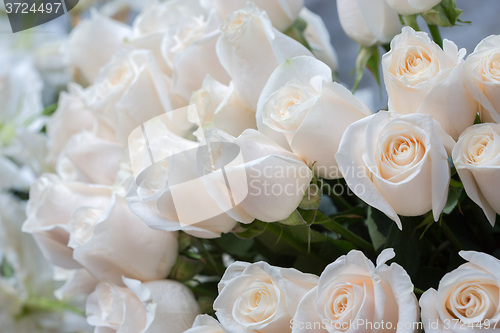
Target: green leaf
[437, 16]
[445, 14]
[452, 201]
[296, 31]
[294, 219]
[234, 246]
[368, 57]
[376, 236]
[247, 231]
[406, 244]
[186, 268]
[312, 197]
[49, 110]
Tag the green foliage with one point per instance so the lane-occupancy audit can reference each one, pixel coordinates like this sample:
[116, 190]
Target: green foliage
[368, 57]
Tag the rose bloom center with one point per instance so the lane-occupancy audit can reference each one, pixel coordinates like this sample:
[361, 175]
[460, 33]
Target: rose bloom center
[479, 149]
[399, 152]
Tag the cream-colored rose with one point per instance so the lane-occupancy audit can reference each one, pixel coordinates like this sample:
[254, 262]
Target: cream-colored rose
[218, 106]
[368, 22]
[73, 117]
[353, 295]
[92, 44]
[420, 77]
[259, 297]
[281, 13]
[318, 38]
[178, 32]
[397, 164]
[114, 242]
[163, 306]
[248, 66]
[482, 73]
[302, 107]
[477, 159]
[467, 299]
[205, 324]
[130, 90]
[230, 179]
[89, 159]
[51, 206]
[410, 7]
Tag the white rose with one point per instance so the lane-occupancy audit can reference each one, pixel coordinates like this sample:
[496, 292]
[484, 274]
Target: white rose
[318, 38]
[397, 164]
[130, 90]
[218, 106]
[181, 49]
[177, 32]
[248, 66]
[420, 77]
[368, 22]
[483, 79]
[205, 324]
[51, 206]
[477, 159]
[281, 13]
[114, 242]
[303, 107]
[260, 180]
[259, 297]
[353, 295]
[73, 117]
[89, 159]
[76, 282]
[30, 268]
[92, 44]
[153, 307]
[410, 7]
[467, 298]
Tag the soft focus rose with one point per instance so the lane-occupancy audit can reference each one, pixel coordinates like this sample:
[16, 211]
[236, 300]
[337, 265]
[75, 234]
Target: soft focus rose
[368, 22]
[397, 164]
[182, 49]
[130, 90]
[266, 182]
[467, 299]
[153, 307]
[302, 107]
[410, 7]
[73, 117]
[218, 106]
[114, 242]
[205, 324]
[420, 77]
[318, 38]
[477, 159]
[353, 294]
[259, 297]
[22, 147]
[92, 44]
[281, 13]
[89, 159]
[178, 32]
[52, 204]
[482, 73]
[248, 66]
